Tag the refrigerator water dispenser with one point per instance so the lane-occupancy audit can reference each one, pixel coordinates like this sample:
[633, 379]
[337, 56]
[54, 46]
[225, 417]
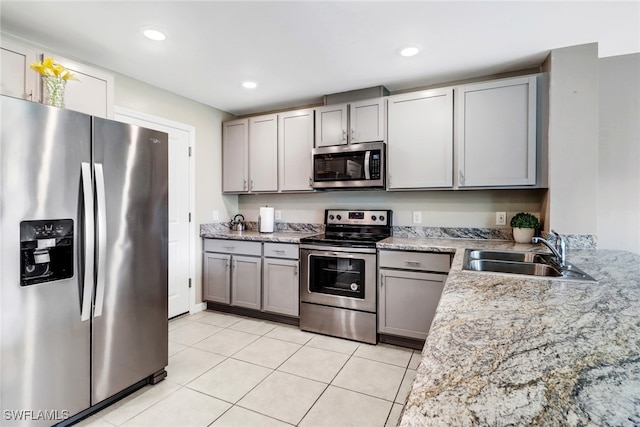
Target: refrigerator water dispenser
[46, 251]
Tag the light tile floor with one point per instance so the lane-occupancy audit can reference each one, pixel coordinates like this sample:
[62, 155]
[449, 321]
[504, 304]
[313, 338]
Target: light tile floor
[227, 370]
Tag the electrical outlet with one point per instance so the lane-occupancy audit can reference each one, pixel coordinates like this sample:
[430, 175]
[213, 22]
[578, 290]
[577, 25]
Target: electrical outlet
[278, 215]
[216, 215]
[501, 218]
[417, 217]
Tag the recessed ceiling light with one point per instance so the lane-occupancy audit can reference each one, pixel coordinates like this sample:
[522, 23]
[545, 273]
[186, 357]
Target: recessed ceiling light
[250, 85]
[153, 33]
[410, 51]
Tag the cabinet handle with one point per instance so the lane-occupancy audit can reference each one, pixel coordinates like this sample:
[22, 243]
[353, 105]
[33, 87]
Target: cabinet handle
[295, 270]
[413, 262]
[461, 177]
[381, 280]
[251, 186]
[278, 251]
[353, 134]
[244, 184]
[344, 134]
[229, 248]
[30, 95]
[310, 182]
[226, 264]
[234, 264]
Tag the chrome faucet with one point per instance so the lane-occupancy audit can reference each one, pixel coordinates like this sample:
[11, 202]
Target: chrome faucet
[560, 249]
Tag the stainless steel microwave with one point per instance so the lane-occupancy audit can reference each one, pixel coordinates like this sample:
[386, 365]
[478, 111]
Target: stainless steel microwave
[349, 166]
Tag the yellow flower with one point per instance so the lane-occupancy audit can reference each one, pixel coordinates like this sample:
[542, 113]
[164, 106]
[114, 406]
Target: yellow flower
[50, 68]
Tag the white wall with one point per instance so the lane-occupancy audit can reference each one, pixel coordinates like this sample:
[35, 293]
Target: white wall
[619, 154]
[573, 140]
[439, 208]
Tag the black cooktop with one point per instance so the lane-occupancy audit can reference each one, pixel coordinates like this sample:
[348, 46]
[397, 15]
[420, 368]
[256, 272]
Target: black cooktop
[353, 228]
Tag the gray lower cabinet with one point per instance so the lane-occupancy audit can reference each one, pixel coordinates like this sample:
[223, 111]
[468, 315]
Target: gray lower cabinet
[232, 272]
[252, 275]
[245, 281]
[409, 289]
[280, 279]
[217, 278]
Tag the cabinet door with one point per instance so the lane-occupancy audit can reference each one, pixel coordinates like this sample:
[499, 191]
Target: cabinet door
[217, 284]
[407, 302]
[235, 156]
[331, 125]
[93, 94]
[366, 121]
[263, 153]
[18, 80]
[420, 140]
[281, 287]
[295, 142]
[245, 281]
[497, 133]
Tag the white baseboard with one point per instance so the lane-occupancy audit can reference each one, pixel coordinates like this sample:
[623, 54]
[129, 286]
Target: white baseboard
[198, 307]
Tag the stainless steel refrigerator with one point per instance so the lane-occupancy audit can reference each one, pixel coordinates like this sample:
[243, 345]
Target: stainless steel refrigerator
[83, 261]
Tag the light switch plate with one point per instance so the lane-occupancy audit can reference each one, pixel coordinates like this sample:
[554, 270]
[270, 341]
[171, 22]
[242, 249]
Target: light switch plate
[501, 218]
[216, 215]
[278, 215]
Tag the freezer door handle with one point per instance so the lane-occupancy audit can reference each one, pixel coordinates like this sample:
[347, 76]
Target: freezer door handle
[101, 219]
[87, 285]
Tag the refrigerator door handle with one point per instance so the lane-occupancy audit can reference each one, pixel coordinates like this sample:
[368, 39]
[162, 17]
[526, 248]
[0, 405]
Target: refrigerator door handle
[89, 236]
[102, 239]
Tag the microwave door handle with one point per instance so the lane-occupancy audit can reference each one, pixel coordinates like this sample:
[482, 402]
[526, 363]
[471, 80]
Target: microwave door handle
[367, 171]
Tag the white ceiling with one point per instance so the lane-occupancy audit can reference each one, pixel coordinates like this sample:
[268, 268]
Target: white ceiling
[299, 51]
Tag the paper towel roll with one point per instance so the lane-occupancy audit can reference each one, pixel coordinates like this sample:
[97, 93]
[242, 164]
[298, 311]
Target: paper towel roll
[266, 219]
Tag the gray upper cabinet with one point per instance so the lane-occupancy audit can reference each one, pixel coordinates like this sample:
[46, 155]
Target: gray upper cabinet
[263, 153]
[331, 125]
[250, 155]
[93, 94]
[295, 142]
[235, 156]
[420, 140]
[353, 123]
[496, 133]
[366, 121]
[18, 80]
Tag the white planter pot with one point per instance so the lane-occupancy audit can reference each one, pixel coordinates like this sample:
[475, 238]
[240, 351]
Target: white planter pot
[523, 235]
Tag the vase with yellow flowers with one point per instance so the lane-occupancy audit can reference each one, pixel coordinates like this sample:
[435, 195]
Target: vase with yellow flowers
[54, 80]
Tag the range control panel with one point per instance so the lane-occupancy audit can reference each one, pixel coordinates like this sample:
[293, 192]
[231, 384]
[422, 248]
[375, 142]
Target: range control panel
[344, 217]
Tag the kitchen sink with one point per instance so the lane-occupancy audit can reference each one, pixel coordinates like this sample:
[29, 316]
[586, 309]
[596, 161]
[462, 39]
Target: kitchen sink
[510, 256]
[521, 263]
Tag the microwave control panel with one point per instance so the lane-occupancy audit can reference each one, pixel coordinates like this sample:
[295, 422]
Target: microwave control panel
[374, 164]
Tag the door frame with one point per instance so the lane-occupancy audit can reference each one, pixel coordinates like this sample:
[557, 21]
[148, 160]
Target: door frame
[191, 130]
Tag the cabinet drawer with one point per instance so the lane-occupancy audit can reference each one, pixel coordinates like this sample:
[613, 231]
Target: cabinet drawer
[425, 261]
[233, 246]
[280, 250]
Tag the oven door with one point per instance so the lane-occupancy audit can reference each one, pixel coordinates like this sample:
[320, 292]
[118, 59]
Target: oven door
[338, 278]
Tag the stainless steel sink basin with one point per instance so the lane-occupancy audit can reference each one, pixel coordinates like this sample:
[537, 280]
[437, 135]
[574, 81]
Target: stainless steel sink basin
[521, 263]
[528, 268]
[511, 256]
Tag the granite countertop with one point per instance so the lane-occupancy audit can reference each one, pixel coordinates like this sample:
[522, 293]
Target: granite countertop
[254, 235]
[513, 350]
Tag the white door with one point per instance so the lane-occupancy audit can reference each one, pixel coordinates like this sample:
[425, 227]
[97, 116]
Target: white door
[179, 207]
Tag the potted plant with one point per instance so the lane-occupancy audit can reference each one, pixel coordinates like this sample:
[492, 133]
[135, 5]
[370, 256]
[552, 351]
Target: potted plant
[524, 227]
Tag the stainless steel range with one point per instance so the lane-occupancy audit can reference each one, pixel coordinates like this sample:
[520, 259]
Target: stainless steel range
[338, 278]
